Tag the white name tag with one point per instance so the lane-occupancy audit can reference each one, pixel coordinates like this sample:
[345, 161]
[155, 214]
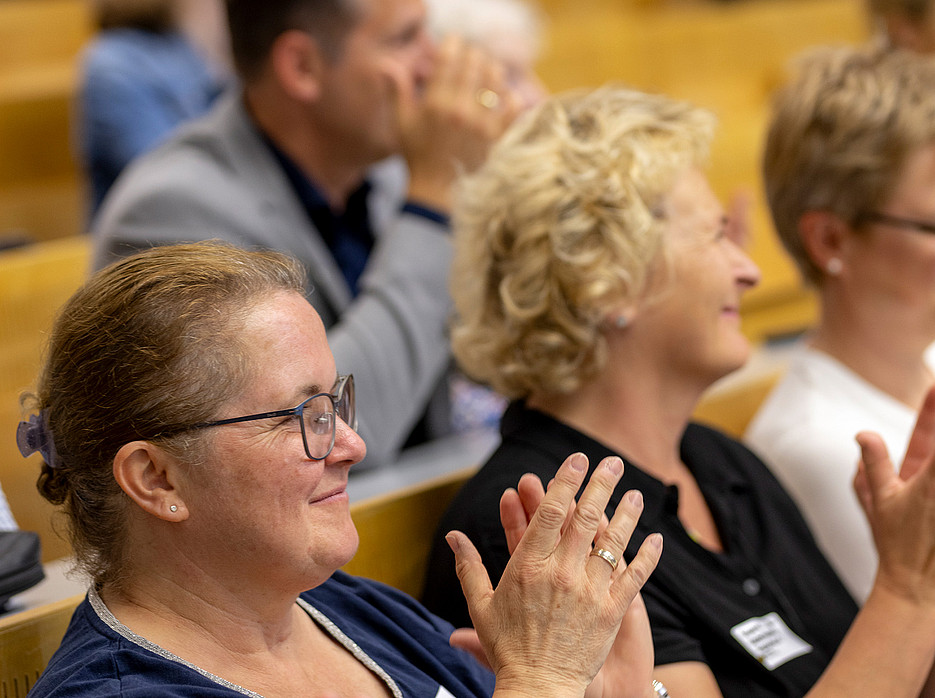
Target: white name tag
[769, 640]
[444, 693]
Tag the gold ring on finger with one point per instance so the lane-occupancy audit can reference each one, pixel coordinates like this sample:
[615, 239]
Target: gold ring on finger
[488, 98]
[606, 556]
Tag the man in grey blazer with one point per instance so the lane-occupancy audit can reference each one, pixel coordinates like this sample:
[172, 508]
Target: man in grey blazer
[297, 161]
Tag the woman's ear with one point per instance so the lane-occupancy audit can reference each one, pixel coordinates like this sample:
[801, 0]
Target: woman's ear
[620, 316]
[148, 476]
[298, 64]
[825, 237]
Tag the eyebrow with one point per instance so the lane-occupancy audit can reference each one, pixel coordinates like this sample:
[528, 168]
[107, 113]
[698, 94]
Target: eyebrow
[313, 389]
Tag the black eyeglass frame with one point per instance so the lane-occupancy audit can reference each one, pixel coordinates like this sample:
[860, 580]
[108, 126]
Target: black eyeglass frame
[342, 404]
[926, 227]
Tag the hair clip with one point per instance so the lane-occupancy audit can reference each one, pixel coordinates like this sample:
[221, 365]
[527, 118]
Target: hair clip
[35, 435]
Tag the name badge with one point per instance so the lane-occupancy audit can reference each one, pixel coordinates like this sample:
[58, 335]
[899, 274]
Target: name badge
[770, 640]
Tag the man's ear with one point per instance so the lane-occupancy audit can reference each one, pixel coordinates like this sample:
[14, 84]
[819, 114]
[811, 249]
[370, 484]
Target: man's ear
[149, 476]
[825, 236]
[298, 64]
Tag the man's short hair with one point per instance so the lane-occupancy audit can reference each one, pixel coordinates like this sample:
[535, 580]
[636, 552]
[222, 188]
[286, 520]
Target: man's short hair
[148, 15]
[256, 24]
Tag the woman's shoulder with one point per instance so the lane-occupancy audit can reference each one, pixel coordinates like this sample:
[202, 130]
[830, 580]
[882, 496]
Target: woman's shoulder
[95, 660]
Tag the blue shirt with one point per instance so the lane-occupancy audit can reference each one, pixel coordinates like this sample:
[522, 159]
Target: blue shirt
[100, 657]
[136, 88]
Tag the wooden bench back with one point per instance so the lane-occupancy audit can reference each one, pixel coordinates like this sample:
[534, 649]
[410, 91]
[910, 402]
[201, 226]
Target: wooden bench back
[396, 531]
[730, 409]
[34, 283]
[27, 642]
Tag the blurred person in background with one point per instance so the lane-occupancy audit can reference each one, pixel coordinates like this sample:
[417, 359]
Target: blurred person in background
[341, 149]
[512, 31]
[907, 24]
[153, 65]
[849, 170]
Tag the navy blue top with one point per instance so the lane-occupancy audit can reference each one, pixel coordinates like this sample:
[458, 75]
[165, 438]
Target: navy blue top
[100, 657]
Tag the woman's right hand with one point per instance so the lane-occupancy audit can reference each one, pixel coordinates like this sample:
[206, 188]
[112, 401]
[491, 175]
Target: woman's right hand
[900, 507]
[553, 618]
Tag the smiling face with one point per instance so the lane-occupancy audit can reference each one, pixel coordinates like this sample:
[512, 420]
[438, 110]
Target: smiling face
[693, 321]
[287, 513]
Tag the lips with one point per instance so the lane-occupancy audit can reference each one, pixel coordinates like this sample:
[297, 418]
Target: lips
[332, 494]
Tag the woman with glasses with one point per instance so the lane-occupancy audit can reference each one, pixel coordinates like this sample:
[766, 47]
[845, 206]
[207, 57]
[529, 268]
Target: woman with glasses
[595, 284]
[849, 169]
[213, 530]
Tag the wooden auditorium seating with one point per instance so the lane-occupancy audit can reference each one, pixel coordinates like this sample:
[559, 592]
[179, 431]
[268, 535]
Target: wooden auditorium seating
[40, 189]
[27, 641]
[34, 282]
[396, 531]
[731, 407]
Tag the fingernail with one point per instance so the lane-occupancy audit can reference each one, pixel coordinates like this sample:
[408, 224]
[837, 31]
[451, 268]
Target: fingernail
[578, 462]
[614, 465]
[655, 540]
[635, 497]
[454, 542]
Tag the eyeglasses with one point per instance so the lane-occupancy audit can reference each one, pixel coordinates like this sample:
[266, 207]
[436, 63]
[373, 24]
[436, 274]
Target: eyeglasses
[896, 221]
[316, 417]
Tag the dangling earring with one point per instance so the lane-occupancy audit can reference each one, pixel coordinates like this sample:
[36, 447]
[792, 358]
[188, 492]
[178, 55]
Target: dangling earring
[834, 266]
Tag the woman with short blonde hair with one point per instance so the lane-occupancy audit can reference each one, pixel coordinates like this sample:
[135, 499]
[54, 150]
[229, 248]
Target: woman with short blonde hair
[595, 282]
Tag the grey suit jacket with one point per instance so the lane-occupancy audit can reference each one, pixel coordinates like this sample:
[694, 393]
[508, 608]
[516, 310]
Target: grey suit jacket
[216, 178]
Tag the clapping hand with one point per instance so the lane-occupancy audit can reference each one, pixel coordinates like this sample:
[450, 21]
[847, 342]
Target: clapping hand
[900, 507]
[557, 612]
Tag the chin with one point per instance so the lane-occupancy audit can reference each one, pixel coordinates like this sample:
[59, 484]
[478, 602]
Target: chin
[734, 362]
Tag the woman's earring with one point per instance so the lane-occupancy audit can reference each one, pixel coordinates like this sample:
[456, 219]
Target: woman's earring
[834, 266]
[173, 508]
[621, 321]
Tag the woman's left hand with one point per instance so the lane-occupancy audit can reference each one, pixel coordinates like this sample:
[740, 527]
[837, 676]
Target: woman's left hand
[557, 611]
[628, 669]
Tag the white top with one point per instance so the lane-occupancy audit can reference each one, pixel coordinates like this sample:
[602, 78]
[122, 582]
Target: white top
[7, 522]
[805, 432]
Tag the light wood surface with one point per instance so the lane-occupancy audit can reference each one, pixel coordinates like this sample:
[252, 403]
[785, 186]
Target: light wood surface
[28, 640]
[34, 283]
[396, 531]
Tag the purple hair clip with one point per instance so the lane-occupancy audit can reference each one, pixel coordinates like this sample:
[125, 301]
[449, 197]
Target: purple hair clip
[35, 435]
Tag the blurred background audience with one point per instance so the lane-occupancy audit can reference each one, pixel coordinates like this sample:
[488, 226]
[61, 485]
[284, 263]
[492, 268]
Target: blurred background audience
[154, 65]
[512, 31]
[849, 169]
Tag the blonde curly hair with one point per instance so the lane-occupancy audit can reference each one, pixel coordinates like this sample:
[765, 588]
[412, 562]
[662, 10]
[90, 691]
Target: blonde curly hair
[563, 222]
